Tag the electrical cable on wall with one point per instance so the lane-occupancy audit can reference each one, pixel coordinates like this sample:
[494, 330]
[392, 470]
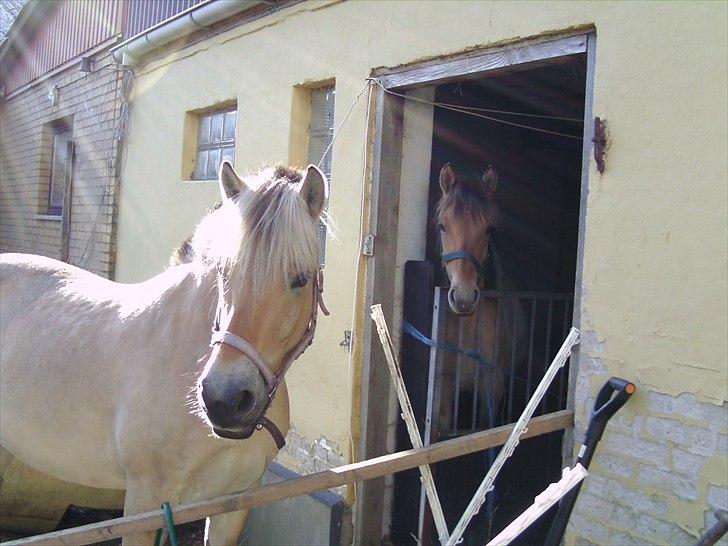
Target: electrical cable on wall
[116, 123]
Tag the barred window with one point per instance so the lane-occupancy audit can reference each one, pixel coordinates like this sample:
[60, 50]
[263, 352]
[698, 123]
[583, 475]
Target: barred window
[321, 135]
[215, 142]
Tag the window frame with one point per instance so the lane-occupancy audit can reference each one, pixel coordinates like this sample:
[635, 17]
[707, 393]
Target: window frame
[210, 144]
[60, 131]
[315, 131]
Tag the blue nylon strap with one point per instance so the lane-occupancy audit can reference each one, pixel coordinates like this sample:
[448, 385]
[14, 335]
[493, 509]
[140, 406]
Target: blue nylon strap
[443, 345]
[408, 329]
[461, 255]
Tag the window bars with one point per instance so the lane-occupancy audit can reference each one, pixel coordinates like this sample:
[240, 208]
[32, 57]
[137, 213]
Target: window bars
[215, 142]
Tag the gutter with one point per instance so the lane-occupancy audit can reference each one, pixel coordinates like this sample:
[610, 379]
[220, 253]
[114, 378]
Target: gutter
[199, 17]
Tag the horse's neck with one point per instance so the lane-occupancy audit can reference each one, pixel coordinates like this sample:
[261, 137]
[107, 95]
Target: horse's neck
[183, 297]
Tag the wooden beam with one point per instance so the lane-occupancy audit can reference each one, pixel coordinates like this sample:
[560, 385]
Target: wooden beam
[342, 475]
[509, 56]
[382, 266]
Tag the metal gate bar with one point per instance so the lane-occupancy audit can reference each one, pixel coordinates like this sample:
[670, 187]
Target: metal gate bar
[542, 311]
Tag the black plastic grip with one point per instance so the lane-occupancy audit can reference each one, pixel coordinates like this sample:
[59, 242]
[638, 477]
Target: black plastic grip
[612, 396]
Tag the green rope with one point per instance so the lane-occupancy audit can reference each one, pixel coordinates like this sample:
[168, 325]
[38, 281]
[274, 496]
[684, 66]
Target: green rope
[170, 527]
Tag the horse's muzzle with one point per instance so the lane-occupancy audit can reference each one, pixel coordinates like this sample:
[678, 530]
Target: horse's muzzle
[463, 303]
[234, 434]
[232, 410]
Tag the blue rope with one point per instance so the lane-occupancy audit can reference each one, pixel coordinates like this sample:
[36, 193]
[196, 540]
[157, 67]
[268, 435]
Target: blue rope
[492, 499]
[444, 345]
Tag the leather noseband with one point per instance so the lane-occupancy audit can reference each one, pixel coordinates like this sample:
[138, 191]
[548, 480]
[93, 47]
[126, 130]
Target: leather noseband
[272, 380]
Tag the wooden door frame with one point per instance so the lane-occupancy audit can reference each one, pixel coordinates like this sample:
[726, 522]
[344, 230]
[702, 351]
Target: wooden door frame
[383, 224]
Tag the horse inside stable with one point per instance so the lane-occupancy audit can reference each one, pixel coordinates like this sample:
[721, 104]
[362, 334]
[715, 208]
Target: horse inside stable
[503, 294]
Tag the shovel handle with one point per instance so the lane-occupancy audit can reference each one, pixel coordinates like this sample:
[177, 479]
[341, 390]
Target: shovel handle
[612, 396]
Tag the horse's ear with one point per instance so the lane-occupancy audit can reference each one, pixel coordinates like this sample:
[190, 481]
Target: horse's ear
[230, 183]
[447, 177]
[314, 190]
[490, 178]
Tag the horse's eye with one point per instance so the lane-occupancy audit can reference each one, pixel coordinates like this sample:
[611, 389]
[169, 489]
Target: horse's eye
[299, 281]
[441, 227]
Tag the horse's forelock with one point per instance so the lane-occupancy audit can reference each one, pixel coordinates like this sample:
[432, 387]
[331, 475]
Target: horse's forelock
[469, 198]
[261, 236]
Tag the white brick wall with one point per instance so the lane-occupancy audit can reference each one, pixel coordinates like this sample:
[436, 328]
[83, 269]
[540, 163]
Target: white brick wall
[25, 168]
[660, 470]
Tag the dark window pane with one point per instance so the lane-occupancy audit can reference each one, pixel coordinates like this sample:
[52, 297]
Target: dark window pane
[204, 135]
[213, 164]
[228, 154]
[228, 132]
[58, 172]
[322, 127]
[201, 166]
[321, 133]
[216, 128]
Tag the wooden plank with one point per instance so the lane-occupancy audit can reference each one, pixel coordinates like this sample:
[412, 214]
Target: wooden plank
[507, 56]
[67, 202]
[383, 272]
[408, 415]
[579, 285]
[335, 477]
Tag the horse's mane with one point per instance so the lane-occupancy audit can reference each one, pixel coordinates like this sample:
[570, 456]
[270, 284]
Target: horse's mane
[261, 235]
[469, 198]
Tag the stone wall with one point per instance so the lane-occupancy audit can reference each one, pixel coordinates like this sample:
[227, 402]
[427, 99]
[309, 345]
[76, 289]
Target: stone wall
[659, 472]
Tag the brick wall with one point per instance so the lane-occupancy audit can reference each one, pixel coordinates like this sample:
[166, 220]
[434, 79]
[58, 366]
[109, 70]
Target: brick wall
[659, 472]
[90, 103]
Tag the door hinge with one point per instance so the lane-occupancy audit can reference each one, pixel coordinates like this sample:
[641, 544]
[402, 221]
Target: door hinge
[346, 342]
[600, 143]
[367, 247]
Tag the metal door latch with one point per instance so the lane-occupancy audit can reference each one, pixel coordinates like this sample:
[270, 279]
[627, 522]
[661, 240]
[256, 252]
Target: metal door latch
[346, 342]
[367, 247]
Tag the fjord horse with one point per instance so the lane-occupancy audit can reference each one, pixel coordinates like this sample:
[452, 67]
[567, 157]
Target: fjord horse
[171, 388]
[467, 215]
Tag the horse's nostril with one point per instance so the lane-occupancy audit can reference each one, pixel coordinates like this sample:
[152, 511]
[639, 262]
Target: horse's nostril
[246, 401]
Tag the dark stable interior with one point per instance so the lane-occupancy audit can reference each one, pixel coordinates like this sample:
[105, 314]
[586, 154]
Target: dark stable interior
[538, 192]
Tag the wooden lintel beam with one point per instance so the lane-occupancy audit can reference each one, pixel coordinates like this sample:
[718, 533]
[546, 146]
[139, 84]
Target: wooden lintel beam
[335, 477]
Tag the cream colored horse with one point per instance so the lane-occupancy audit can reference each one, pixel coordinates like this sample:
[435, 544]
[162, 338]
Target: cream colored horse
[466, 215]
[112, 385]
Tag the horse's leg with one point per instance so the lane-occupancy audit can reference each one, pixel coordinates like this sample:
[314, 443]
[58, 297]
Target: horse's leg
[141, 496]
[224, 529]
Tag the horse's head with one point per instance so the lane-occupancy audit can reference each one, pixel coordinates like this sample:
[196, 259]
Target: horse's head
[466, 213]
[262, 241]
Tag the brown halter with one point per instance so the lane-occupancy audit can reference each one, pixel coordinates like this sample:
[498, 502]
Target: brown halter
[273, 380]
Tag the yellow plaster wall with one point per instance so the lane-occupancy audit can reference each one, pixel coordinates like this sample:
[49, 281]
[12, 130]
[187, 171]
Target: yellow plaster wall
[654, 270]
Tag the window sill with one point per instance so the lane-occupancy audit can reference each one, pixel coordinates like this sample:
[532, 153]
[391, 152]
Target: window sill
[51, 217]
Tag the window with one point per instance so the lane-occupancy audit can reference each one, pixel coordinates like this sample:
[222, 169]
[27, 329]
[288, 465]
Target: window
[215, 142]
[60, 165]
[321, 135]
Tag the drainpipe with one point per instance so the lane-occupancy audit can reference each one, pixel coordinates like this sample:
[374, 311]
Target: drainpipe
[198, 17]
